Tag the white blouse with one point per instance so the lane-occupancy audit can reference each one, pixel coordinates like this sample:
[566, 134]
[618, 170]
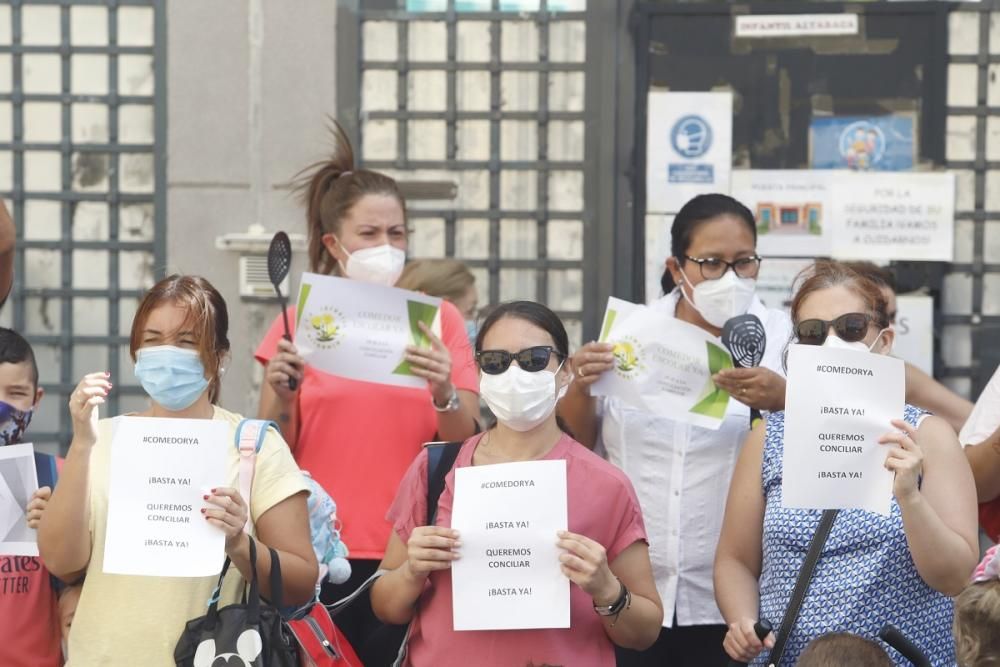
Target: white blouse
[681, 474]
[985, 417]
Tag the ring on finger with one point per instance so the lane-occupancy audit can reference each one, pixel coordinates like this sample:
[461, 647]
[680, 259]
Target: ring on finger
[580, 371]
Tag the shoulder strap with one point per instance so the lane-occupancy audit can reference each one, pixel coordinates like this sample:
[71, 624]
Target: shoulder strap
[250, 435]
[440, 459]
[46, 470]
[801, 586]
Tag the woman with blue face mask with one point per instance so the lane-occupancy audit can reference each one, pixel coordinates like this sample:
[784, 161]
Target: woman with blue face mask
[901, 568]
[357, 438]
[522, 353]
[179, 342]
[681, 472]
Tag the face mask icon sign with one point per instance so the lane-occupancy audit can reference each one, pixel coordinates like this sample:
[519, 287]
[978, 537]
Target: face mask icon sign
[691, 136]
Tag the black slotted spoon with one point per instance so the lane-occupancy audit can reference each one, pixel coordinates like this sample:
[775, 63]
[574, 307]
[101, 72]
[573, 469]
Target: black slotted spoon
[279, 261]
[745, 338]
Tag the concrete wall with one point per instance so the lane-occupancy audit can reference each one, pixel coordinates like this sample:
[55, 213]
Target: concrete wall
[249, 85]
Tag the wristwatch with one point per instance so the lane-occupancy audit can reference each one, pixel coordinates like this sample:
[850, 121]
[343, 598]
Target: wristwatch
[452, 405]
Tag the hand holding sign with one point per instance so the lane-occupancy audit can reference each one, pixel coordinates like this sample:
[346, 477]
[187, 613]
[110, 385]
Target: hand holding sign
[585, 563]
[432, 363]
[229, 514]
[593, 360]
[431, 548]
[39, 501]
[905, 459]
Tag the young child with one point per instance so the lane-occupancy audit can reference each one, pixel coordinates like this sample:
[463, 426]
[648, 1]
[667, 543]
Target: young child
[30, 632]
[977, 616]
[842, 649]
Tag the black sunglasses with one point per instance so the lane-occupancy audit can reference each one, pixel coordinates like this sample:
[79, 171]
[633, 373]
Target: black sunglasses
[851, 328]
[532, 359]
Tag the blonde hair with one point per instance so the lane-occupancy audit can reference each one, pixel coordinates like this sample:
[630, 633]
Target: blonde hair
[446, 278]
[977, 625]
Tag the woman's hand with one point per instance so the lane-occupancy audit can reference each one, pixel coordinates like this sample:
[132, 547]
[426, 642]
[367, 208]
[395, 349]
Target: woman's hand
[591, 361]
[434, 365]
[228, 512]
[585, 563]
[90, 393]
[905, 459]
[286, 363]
[429, 549]
[36, 507]
[756, 387]
[741, 642]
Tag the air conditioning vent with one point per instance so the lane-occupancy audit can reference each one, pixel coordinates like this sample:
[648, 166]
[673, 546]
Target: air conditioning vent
[254, 280]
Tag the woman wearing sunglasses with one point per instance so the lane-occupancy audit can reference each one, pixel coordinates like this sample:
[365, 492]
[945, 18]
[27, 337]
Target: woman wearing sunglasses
[874, 569]
[681, 472]
[522, 352]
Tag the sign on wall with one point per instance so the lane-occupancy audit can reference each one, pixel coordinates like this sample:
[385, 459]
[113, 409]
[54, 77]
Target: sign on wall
[792, 209]
[915, 331]
[689, 146]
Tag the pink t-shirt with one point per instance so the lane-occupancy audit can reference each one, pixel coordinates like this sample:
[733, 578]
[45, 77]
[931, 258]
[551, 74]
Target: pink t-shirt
[358, 438]
[602, 506]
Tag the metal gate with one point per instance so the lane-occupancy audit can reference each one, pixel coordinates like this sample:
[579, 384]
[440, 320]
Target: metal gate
[82, 147]
[490, 121]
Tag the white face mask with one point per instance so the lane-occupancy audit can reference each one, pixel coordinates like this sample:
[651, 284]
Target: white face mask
[519, 399]
[380, 265]
[839, 343]
[720, 300]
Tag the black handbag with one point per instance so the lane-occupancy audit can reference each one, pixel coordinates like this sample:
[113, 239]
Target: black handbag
[250, 634]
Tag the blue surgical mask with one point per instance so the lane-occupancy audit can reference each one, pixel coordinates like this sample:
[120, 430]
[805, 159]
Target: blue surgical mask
[172, 376]
[472, 331]
[13, 423]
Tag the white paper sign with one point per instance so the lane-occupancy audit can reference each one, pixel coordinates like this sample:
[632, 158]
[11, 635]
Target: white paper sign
[839, 403]
[160, 471]
[18, 482]
[360, 331]
[792, 209]
[903, 216]
[508, 576]
[915, 331]
[689, 146]
[795, 25]
[663, 365]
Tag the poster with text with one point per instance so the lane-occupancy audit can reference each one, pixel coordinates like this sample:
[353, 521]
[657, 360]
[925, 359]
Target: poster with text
[915, 331]
[689, 147]
[161, 469]
[894, 216]
[792, 209]
[18, 483]
[838, 404]
[360, 331]
[508, 516]
[663, 365]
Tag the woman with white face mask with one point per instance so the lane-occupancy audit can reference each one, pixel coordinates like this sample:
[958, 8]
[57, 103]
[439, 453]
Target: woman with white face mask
[357, 438]
[874, 569]
[681, 472]
[522, 351]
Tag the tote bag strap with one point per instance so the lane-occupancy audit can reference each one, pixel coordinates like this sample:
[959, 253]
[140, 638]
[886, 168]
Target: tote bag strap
[801, 586]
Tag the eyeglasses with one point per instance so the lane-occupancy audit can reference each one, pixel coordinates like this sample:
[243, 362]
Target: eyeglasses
[532, 359]
[851, 328]
[713, 268]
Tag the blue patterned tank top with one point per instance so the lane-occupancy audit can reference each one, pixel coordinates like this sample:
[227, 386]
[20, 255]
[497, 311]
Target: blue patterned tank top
[865, 576]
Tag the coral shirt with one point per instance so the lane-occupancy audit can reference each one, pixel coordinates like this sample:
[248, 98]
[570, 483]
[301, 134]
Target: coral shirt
[602, 505]
[358, 438]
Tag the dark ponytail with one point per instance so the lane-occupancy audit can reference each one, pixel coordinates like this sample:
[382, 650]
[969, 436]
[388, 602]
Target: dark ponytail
[698, 210]
[330, 189]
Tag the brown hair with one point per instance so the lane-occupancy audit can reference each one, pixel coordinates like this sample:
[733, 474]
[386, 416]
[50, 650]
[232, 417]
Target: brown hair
[207, 317]
[825, 274]
[977, 619]
[879, 275]
[330, 189]
[447, 278]
[842, 649]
